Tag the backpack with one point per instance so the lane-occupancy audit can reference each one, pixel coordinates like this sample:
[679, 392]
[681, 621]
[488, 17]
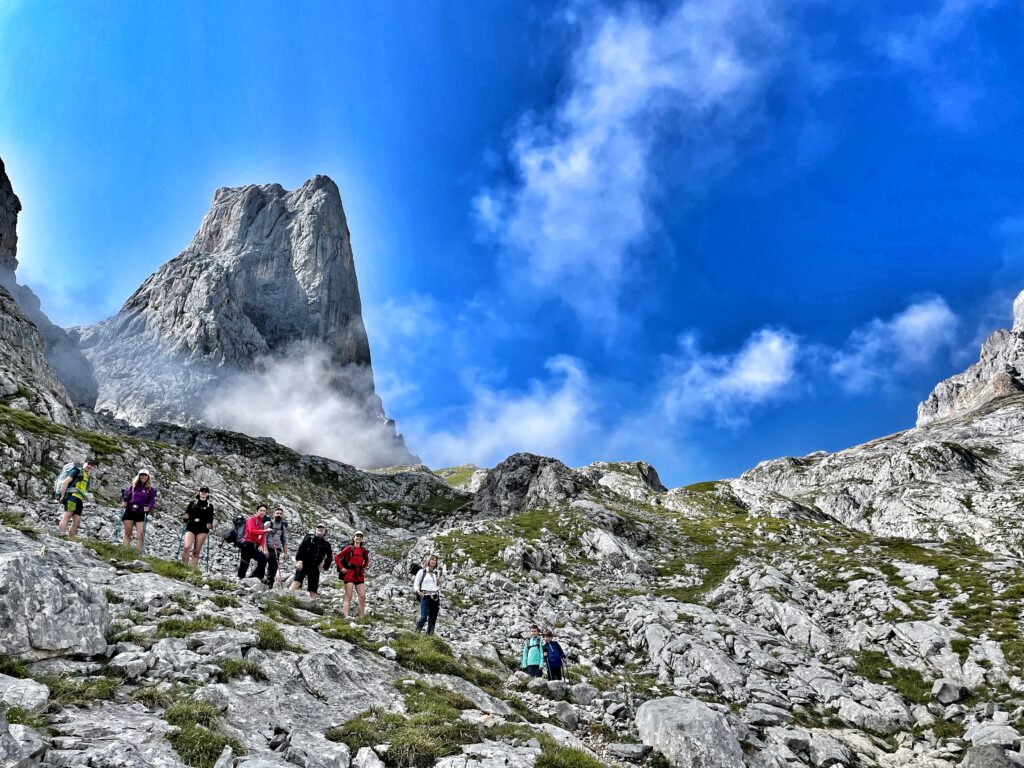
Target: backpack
[234, 536]
[347, 551]
[67, 471]
[414, 568]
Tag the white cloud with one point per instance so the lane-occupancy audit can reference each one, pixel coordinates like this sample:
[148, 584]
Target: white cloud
[923, 46]
[883, 349]
[725, 387]
[586, 173]
[309, 405]
[550, 417]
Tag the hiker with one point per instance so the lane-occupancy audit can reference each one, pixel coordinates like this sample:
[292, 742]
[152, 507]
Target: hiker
[533, 652]
[138, 500]
[554, 656]
[352, 562]
[198, 520]
[70, 494]
[277, 544]
[313, 556]
[254, 545]
[428, 589]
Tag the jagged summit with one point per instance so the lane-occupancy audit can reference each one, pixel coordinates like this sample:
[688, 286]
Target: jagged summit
[998, 372]
[268, 277]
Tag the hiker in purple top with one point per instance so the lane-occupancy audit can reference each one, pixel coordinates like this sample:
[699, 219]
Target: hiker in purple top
[138, 500]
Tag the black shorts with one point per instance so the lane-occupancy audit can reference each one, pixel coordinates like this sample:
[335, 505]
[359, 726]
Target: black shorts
[197, 528]
[312, 574]
[73, 504]
[134, 516]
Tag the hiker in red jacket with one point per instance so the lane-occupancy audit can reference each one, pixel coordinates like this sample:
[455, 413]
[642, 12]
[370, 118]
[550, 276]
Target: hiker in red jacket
[352, 562]
[254, 544]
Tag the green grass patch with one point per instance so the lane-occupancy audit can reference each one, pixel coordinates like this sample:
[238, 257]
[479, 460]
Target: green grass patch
[101, 445]
[112, 597]
[907, 682]
[340, 629]
[67, 692]
[186, 627]
[232, 668]
[224, 601]
[21, 716]
[456, 476]
[155, 696]
[432, 729]
[129, 636]
[555, 755]
[200, 747]
[428, 653]
[13, 667]
[271, 638]
[192, 712]
[17, 522]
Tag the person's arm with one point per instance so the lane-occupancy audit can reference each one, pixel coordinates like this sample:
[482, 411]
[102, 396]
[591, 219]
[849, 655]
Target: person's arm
[209, 516]
[284, 541]
[417, 582]
[526, 653]
[152, 500]
[327, 559]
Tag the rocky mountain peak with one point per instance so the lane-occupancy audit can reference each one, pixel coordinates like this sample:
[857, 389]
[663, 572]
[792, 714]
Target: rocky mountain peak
[10, 207]
[269, 278]
[998, 372]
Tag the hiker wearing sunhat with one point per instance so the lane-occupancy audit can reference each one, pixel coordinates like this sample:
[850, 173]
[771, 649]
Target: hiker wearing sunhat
[312, 557]
[352, 562]
[198, 520]
[138, 500]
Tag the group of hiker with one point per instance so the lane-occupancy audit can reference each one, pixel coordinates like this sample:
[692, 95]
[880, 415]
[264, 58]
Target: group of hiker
[263, 539]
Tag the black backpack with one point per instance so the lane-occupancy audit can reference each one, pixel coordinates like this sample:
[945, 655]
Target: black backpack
[237, 532]
[415, 568]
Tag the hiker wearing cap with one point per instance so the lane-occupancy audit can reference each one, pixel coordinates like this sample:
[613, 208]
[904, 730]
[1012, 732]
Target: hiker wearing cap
[138, 500]
[198, 520]
[312, 557]
[254, 545]
[70, 492]
[428, 589]
[277, 543]
[352, 562]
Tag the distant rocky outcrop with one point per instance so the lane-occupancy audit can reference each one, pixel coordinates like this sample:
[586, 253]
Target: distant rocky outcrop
[269, 277]
[67, 362]
[998, 372]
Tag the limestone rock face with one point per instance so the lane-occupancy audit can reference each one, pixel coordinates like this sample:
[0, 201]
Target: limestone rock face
[998, 372]
[268, 277]
[44, 612]
[689, 733]
[61, 352]
[523, 482]
[26, 379]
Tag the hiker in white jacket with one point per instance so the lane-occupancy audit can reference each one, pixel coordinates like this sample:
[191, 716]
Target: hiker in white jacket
[428, 588]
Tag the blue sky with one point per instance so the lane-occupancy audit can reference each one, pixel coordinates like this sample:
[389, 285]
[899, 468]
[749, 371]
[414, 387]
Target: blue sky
[703, 233]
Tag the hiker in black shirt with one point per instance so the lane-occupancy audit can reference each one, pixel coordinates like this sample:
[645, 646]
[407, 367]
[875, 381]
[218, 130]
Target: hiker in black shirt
[198, 519]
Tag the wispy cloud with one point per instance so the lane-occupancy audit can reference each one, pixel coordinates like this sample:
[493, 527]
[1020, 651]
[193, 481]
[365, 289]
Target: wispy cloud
[924, 46]
[882, 350]
[586, 172]
[726, 387]
[551, 417]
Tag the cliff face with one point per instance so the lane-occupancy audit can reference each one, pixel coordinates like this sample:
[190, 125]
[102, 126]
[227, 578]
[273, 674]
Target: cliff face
[61, 352]
[269, 277]
[998, 372]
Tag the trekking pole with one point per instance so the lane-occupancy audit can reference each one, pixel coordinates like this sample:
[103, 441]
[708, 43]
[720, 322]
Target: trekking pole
[209, 546]
[181, 538]
[142, 539]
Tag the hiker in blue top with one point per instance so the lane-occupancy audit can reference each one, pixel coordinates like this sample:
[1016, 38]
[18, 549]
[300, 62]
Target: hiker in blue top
[554, 656]
[533, 652]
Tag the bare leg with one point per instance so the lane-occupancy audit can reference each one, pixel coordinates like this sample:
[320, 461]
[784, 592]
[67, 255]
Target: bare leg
[76, 520]
[127, 541]
[347, 601]
[197, 548]
[139, 528]
[361, 591]
[186, 546]
[64, 521]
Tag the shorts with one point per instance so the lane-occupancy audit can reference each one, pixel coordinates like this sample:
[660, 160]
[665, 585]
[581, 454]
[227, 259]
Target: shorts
[312, 574]
[351, 577]
[197, 528]
[134, 515]
[73, 504]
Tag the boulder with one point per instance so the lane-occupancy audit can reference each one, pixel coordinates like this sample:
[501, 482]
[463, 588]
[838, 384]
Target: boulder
[27, 694]
[988, 756]
[312, 750]
[46, 612]
[689, 733]
[946, 691]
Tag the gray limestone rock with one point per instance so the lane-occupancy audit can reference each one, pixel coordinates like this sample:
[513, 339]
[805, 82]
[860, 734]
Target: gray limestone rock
[689, 733]
[523, 482]
[46, 612]
[989, 756]
[268, 278]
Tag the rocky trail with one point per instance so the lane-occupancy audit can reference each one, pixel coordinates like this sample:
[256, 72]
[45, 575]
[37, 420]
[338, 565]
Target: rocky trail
[701, 631]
